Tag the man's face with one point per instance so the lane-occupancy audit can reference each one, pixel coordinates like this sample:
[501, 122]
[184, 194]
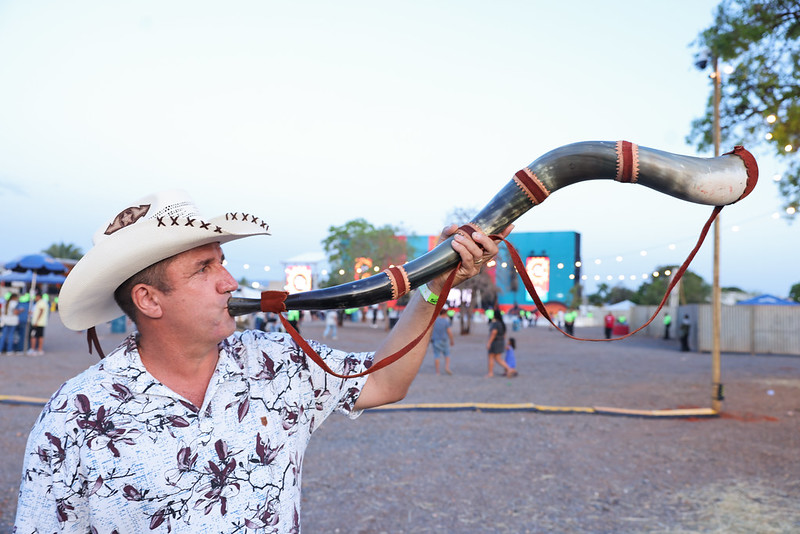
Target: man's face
[197, 305]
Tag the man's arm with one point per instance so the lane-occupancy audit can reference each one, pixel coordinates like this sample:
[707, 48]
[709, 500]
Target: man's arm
[391, 383]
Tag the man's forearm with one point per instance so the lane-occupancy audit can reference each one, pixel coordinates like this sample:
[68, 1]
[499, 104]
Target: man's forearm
[391, 383]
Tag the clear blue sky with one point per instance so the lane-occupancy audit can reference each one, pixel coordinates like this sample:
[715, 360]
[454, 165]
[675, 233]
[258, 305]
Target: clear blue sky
[314, 113]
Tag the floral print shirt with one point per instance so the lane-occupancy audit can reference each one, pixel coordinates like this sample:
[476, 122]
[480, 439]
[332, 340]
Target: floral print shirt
[114, 450]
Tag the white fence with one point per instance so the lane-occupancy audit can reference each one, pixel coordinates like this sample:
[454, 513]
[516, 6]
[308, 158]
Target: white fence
[753, 329]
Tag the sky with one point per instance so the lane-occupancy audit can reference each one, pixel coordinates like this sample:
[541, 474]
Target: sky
[313, 113]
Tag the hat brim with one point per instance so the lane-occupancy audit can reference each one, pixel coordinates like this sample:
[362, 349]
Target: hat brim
[87, 295]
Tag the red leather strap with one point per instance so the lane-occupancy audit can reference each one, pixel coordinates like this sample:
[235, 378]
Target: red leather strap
[93, 340]
[388, 360]
[273, 301]
[540, 306]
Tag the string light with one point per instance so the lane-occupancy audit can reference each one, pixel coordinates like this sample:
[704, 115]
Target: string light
[620, 259]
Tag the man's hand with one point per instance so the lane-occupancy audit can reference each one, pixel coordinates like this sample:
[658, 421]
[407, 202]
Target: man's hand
[391, 383]
[475, 251]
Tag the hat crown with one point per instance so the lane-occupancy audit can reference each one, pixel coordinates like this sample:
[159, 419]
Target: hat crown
[173, 203]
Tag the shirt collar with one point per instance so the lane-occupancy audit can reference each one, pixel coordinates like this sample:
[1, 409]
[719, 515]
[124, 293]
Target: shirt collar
[125, 361]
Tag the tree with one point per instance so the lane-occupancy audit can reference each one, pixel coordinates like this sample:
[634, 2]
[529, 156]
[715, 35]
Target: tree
[693, 289]
[794, 293]
[760, 101]
[360, 239]
[600, 297]
[64, 251]
[619, 294]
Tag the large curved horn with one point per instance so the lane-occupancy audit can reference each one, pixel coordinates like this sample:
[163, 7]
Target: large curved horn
[713, 181]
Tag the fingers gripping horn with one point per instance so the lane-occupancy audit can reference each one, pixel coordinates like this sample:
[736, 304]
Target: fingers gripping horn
[712, 181]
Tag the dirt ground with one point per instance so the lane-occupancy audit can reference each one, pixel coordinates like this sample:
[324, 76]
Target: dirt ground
[514, 468]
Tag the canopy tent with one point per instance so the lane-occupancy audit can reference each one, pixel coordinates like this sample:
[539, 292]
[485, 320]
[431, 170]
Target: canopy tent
[768, 300]
[38, 265]
[624, 305]
[27, 277]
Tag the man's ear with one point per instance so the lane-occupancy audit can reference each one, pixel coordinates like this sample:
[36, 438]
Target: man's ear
[147, 301]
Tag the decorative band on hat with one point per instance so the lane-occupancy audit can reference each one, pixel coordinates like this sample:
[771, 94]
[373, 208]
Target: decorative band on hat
[194, 222]
[235, 216]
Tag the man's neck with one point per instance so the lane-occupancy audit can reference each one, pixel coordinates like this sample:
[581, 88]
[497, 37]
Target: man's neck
[185, 369]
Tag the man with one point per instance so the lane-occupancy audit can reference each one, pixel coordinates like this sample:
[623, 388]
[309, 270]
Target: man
[41, 311]
[441, 341]
[686, 325]
[21, 331]
[667, 324]
[609, 324]
[10, 321]
[569, 321]
[189, 425]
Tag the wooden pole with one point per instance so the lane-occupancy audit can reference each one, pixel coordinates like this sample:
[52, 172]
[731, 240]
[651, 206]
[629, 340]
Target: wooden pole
[716, 375]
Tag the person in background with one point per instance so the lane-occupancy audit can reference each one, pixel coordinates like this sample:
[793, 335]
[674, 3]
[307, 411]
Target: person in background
[441, 341]
[667, 324]
[41, 312]
[609, 321]
[331, 324]
[496, 345]
[21, 333]
[294, 317]
[10, 320]
[511, 358]
[569, 321]
[686, 326]
[560, 319]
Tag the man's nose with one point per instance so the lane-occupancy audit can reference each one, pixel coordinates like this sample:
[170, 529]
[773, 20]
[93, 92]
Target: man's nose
[228, 283]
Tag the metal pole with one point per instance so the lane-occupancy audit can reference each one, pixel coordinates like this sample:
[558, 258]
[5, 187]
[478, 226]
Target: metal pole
[716, 383]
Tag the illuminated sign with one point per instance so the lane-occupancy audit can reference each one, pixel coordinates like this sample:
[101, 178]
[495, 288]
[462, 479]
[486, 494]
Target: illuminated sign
[363, 268]
[538, 269]
[298, 278]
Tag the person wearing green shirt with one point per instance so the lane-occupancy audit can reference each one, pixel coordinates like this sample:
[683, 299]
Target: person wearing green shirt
[667, 324]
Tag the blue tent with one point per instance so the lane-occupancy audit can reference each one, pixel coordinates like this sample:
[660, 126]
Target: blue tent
[768, 300]
[27, 277]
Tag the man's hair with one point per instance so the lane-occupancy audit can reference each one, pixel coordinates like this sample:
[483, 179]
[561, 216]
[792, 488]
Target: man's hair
[155, 275]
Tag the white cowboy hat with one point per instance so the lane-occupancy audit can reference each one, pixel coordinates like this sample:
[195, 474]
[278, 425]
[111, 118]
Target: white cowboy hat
[152, 229]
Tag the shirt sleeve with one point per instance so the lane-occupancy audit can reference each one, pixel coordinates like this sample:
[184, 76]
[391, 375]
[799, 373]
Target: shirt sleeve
[294, 372]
